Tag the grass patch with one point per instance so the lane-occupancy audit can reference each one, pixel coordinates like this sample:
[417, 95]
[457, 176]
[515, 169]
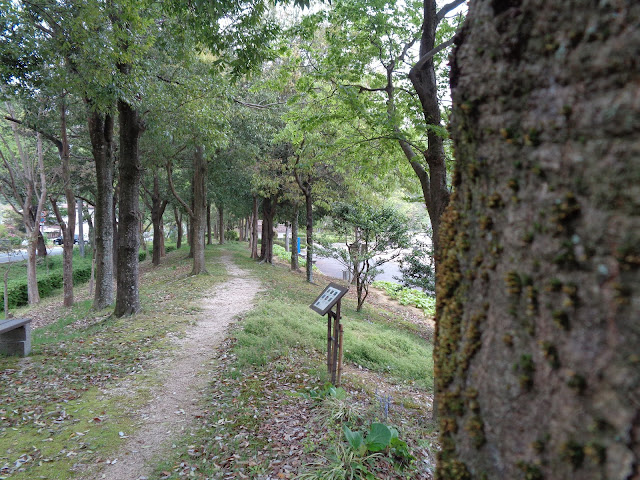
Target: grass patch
[283, 320]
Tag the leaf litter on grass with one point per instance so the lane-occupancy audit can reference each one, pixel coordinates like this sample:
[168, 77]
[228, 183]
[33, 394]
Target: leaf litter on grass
[261, 423]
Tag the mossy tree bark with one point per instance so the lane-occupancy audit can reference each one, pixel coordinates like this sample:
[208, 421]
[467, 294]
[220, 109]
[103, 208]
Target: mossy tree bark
[537, 364]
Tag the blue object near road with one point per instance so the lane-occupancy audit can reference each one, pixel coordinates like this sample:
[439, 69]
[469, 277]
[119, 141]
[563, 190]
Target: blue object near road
[298, 244]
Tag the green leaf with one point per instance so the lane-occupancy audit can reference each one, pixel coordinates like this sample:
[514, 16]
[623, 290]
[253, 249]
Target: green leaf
[354, 438]
[378, 438]
[400, 449]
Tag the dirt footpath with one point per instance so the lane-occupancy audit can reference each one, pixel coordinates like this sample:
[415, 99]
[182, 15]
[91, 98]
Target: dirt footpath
[176, 401]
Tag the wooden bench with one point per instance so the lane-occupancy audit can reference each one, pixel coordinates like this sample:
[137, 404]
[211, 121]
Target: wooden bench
[15, 336]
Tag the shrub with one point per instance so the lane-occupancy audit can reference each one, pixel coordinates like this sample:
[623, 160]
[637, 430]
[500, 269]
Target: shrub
[142, 256]
[231, 235]
[47, 285]
[169, 248]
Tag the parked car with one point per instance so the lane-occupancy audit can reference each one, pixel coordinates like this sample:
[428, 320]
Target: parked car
[58, 240]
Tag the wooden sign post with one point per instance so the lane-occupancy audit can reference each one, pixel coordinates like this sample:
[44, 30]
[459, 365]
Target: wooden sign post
[330, 296]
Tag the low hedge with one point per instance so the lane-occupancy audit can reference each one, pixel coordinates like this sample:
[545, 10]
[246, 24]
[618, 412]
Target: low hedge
[47, 285]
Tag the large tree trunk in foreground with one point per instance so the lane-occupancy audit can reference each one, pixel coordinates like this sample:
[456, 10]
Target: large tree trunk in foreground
[127, 296]
[538, 341]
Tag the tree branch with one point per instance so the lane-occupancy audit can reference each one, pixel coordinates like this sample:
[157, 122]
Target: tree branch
[56, 211]
[429, 55]
[362, 88]
[447, 8]
[175, 193]
[405, 50]
[48, 136]
[257, 106]
[87, 201]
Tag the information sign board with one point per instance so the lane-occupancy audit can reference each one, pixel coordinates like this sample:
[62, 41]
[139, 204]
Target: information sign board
[328, 298]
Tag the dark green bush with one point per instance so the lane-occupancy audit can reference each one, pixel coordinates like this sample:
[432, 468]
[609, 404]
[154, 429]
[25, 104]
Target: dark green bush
[47, 285]
[142, 256]
[231, 235]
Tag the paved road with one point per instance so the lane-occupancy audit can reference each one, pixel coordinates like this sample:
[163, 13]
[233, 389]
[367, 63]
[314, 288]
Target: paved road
[334, 268]
[19, 255]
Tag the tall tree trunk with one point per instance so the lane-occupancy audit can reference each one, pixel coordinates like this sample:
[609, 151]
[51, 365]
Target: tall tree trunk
[537, 365]
[305, 185]
[209, 223]
[198, 208]
[294, 239]
[116, 237]
[178, 216]
[188, 233]
[221, 224]
[131, 127]
[263, 236]
[268, 214]
[286, 236]
[163, 251]
[141, 241]
[158, 206]
[32, 227]
[41, 248]
[190, 227]
[92, 238]
[309, 219]
[199, 211]
[424, 80]
[101, 134]
[254, 228]
[80, 227]
[68, 231]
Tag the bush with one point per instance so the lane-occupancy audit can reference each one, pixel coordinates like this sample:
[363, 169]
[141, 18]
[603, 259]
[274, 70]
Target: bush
[418, 269]
[169, 248]
[142, 256]
[47, 285]
[231, 235]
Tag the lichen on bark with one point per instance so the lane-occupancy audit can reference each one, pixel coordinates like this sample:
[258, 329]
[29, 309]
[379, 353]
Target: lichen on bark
[537, 370]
